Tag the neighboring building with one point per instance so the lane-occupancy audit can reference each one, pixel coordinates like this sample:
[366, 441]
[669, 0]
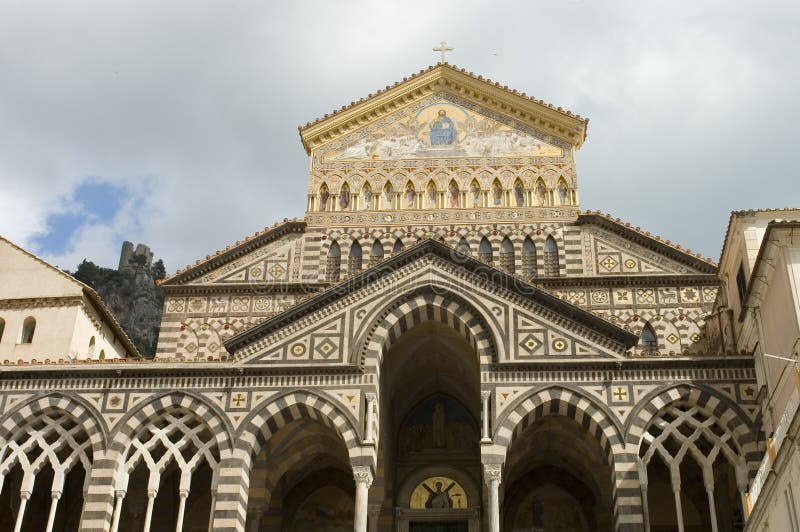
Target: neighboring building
[444, 342]
[48, 317]
[759, 307]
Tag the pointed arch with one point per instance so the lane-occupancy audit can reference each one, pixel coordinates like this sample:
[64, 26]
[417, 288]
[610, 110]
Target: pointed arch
[507, 258]
[409, 195]
[519, 193]
[475, 193]
[388, 195]
[366, 197]
[323, 196]
[90, 349]
[551, 261]
[497, 193]
[562, 193]
[540, 193]
[398, 246]
[419, 307]
[344, 197]
[431, 194]
[485, 250]
[355, 259]
[528, 258]
[648, 340]
[453, 195]
[333, 270]
[376, 253]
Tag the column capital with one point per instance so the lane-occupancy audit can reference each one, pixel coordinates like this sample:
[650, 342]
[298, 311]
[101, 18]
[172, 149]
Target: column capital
[492, 472]
[370, 397]
[362, 475]
[485, 395]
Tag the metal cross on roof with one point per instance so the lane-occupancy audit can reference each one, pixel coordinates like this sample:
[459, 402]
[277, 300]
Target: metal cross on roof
[443, 48]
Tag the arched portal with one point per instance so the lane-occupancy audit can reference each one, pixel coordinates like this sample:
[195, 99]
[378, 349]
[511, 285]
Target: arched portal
[430, 413]
[557, 477]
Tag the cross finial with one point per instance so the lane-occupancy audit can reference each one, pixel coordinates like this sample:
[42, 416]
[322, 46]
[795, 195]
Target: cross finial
[443, 48]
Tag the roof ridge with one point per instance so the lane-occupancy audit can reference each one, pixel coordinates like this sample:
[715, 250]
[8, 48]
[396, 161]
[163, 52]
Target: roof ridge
[471, 74]
[229, 248]
[648, 234]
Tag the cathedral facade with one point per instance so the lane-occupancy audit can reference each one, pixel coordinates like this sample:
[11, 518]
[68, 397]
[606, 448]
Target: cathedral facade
[445, 342]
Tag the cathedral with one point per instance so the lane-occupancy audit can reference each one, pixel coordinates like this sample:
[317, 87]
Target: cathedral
[445, 342]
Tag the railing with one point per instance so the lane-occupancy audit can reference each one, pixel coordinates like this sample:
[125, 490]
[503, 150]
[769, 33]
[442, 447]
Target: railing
[773, 446]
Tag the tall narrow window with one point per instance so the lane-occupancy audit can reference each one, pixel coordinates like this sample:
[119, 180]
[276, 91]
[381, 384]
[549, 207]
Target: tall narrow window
[519, 193]
[388, 195]
[398, 247]
[463, 246]
[2, 328]
[507, 256]
[376, 253]
[528, 259]
[485, 251]
[354, 262]
[28, 328]
[562, 193]
[649, 342]
[741, 283]
[90, 351]
[453, 195]
[366, 197]
[344, 197]
[334, 263]
[430, 195]
[550, 257]
[540, 194]
[324, 195]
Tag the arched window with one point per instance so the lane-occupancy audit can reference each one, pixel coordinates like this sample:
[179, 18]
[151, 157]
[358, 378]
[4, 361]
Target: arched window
[551, 257]
[528, 258]
[388, 195]
[562, 193]
[344, 197]
[376, 253]
[497, 193]
[463, 246]
[90, 351]
[366, 197]
[28, 328]
[334, 263]
[102, 354]
[475, 194]
[453, 195]
[648, 341]
[430, 195]
[2, 328]
[485, 251]
[409, 196]
[354, 262]
[324, 195]
[540, 193]
[519, 193]
[507, 256]
[398, 247]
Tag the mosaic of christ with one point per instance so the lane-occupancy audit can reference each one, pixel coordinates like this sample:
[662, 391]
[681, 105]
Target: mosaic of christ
[444, 130]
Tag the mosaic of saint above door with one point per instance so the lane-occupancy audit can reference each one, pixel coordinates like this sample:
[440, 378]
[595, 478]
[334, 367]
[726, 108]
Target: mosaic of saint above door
[443, 130]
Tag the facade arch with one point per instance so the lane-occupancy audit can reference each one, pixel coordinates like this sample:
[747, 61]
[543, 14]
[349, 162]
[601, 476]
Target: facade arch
[419, 307]
[561, 400]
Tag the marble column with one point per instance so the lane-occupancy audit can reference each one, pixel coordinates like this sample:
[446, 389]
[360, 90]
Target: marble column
[485, 435]
[369, 436]
[363, 477]
[492, 474]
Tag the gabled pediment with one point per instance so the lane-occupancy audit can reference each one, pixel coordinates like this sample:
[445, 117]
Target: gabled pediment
[523, 323]
[266, 257]
[612, 248]
[458, 85]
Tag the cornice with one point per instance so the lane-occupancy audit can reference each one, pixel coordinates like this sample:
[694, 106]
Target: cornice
[220, 257]
[627, 280]
[445, 78]
[41, 302]
[243, 288]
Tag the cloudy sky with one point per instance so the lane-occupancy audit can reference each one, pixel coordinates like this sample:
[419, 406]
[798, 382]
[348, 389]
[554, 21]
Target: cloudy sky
[175, 123]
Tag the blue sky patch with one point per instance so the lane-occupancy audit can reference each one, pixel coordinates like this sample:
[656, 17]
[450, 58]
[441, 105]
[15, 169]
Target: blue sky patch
[91, 203]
